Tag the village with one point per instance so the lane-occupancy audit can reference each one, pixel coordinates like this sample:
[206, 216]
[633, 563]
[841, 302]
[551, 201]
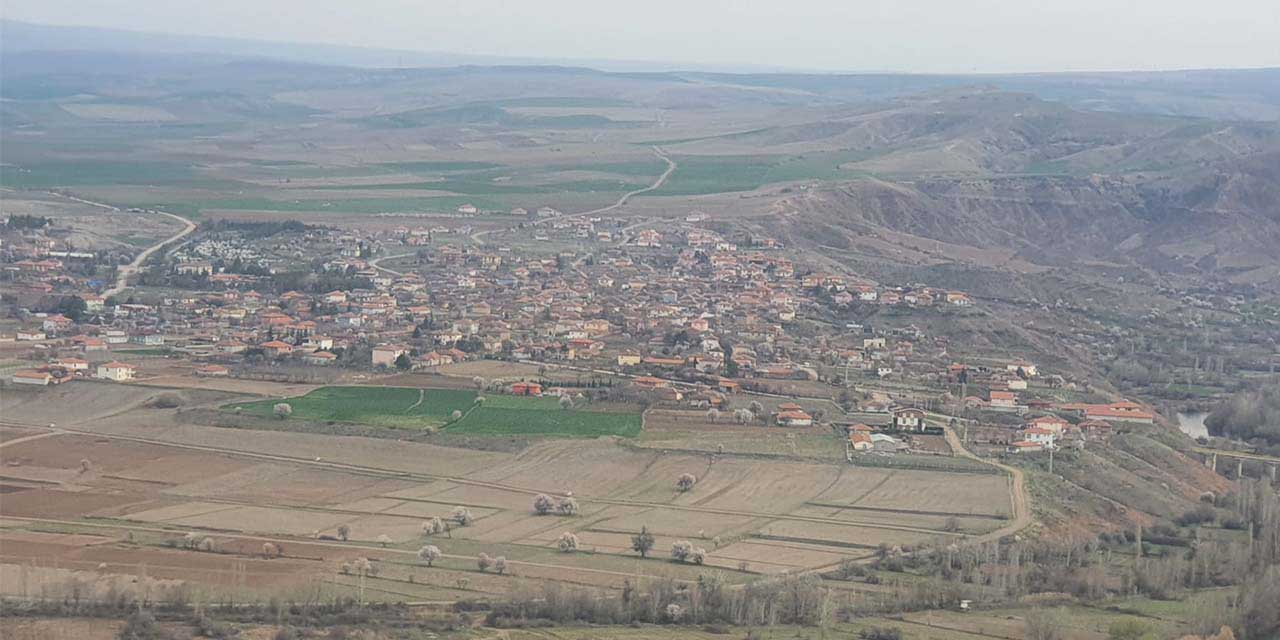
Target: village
[675, 315]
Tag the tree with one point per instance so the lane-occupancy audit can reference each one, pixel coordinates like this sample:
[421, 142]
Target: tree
[713, 414]
[456, 415]
[344, 532]
[686, 481]
[642, 542]
[1041, 624]
[461, 515]
[429, 554]
[478, 382]
[681, 550]
[483, 561]
[743, 416]
[403, 362]
[566, 402]
[756, 409]
[384, 539]
[433, 526]
[543, 504]
[270, 550]
[568, 542]
[568, 507]
[282, 410]
[500, 565]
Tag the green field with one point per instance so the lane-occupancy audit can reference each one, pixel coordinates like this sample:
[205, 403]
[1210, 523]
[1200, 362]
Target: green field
[403, 408]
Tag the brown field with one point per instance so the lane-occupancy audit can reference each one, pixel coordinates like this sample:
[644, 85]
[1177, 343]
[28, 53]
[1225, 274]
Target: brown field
[242, 488]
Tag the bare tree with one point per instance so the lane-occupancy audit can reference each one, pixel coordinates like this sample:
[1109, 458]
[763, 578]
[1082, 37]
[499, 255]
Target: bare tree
[756, 409]
[500, 565]
[483, 561]
[344, 532]
[429, 554]
[433, 526]
[282, 410]
[568, 542]
[384, 539]
[686, 481]
[1042, 624]
[713, 414]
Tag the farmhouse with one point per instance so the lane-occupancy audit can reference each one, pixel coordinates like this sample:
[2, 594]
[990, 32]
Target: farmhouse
[117, 371]
[794, 418]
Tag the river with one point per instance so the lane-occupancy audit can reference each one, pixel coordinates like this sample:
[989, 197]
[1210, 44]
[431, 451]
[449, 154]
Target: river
[1192, 424]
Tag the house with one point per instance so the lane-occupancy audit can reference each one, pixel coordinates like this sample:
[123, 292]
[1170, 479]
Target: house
[212, 371]
[908, 420]
[860, 441]
[320, 358]
[794, 418]
[1096, 429]
[434, 359]
[1053, 424]
[526, 389]
[117, 371]
[1042, 437]
[32, 376]
[30, 335]
[628, 359]
[276, 348]
[71, 364]
[1003, 400]
[385, 355]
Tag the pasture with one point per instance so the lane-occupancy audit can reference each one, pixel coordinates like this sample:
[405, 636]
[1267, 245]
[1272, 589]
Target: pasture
[408, 408]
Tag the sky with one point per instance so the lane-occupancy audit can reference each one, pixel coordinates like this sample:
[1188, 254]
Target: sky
[923, 36]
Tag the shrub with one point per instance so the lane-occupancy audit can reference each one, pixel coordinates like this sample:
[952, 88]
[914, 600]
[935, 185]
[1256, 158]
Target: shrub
[881, 633]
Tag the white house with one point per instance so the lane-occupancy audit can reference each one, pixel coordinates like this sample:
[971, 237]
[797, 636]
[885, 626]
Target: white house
[117, 371]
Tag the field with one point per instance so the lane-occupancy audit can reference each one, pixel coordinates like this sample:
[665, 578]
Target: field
[406, 408]
[124, 485]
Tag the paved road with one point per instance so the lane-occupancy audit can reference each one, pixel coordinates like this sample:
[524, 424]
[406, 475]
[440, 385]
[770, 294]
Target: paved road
[657, 184]
[123, 272]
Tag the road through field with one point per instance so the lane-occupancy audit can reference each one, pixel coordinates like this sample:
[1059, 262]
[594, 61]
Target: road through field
[657, 184]
[123, 272]
[1021, 498]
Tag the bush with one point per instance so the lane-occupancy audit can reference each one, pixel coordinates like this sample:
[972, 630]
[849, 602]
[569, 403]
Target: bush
[881, 633]
[1199, 515]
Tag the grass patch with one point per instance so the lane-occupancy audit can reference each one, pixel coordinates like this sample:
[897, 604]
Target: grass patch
[405, 408]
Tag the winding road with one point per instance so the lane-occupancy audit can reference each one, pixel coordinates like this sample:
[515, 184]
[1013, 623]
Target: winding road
[657, 184]
[123, 272]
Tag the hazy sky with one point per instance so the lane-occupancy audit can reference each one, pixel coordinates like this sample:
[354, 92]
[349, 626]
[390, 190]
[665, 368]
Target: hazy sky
[885, 35]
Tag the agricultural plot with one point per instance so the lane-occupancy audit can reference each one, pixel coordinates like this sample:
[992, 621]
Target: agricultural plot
[405, 408]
